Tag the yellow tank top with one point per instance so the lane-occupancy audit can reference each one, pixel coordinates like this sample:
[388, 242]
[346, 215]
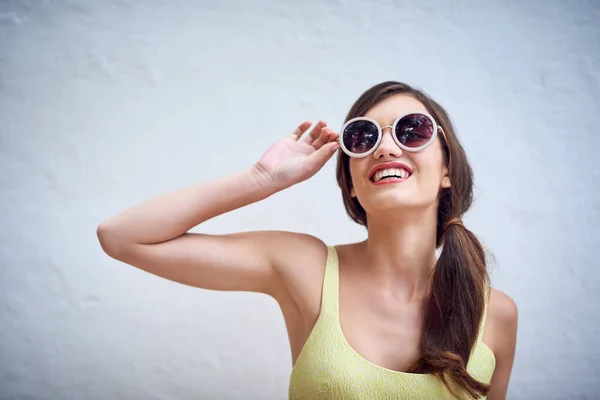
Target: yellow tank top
[329, 368]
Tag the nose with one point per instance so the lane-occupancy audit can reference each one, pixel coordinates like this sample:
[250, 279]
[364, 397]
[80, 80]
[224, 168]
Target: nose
[387, 147]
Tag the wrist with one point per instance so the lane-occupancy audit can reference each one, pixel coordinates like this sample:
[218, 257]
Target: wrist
[263, 180]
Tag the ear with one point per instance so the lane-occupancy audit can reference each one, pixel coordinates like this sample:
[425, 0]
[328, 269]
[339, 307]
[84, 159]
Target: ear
[446, 180]
[352, 191]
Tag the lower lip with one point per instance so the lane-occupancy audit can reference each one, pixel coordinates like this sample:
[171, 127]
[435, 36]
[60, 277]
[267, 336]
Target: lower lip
[390, 180]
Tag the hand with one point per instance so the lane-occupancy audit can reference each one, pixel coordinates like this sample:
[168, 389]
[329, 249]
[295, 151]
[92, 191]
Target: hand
[294, 159]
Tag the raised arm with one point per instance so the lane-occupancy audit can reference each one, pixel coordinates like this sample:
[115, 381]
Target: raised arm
[153, 236]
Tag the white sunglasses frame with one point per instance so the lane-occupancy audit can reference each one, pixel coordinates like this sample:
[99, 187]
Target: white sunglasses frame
[380, 129]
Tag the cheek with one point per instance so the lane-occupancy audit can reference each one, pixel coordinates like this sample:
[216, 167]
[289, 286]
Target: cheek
[431, 172]
[357, 173]
[429, 179]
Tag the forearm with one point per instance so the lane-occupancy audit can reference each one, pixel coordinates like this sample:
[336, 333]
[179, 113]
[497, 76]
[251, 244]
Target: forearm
[173, 214]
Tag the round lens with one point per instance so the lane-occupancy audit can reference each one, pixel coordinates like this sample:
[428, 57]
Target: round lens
[414, 130]
[360, 136]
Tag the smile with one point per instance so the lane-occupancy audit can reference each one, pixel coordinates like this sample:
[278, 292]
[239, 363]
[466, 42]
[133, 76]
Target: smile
[390, 175]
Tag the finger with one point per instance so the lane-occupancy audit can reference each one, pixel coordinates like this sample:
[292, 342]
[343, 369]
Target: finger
[323, 138]
[299, 131]
[315, 132]
[321, 156]
[333, 136]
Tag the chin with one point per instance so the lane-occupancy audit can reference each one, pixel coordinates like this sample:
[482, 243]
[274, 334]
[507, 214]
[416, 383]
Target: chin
[390, 203]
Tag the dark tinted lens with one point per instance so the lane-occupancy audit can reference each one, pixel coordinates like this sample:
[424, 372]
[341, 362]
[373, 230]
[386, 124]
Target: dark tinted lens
[360, 136]
[414, 130]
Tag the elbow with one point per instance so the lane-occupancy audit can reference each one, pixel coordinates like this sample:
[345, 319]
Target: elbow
[109, 240]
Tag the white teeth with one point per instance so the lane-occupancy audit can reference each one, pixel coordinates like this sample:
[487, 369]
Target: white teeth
[397, 172]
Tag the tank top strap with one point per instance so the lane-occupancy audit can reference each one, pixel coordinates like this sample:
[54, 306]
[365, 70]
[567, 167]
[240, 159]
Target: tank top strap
[331, 283]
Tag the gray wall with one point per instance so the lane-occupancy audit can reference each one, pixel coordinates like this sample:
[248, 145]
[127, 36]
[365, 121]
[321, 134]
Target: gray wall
[105, 104]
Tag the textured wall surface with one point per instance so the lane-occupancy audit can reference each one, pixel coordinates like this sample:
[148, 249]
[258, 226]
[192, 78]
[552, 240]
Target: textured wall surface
[105, 104]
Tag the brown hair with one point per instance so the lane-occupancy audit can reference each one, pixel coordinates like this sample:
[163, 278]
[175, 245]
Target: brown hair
[455, 307]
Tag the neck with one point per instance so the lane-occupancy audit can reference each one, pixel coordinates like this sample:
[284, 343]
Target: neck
[400, 252]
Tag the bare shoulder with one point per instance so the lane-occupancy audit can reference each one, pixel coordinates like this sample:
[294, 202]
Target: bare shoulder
[300, 261]
[293, 251]
[501, 334]
[502, 309]
[501, 326]
[290, 245]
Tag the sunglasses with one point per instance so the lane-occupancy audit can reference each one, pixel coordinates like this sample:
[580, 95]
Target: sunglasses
[414, 131]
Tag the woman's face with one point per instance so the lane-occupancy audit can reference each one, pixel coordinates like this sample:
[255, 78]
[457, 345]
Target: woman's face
[428, 173]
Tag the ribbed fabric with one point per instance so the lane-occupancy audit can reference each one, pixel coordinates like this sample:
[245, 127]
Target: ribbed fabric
[329, 368]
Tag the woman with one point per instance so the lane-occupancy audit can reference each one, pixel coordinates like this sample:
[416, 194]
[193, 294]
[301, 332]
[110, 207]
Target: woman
[379, 319]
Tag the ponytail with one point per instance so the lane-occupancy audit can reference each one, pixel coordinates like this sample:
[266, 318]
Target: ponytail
[454, 311]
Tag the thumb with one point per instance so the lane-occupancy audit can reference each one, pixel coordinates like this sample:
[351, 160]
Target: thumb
[324, 153]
